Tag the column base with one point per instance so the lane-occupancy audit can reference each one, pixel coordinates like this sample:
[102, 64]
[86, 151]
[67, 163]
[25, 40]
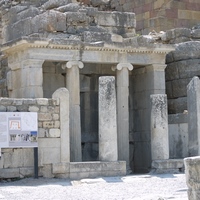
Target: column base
[174, 166]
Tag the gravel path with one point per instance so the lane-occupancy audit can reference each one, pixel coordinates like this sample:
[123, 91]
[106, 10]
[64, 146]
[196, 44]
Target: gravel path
[137, 187]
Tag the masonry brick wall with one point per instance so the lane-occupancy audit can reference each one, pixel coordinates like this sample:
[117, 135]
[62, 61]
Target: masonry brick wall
[18, 162]
[161, 15]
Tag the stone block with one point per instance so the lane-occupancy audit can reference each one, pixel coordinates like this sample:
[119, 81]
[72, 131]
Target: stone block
[189, 68]
[195, 34]
[55, 3]
[22, 108]
[11, 108]
[44, 117]
[76, 18]
[186, 50]
[55, 117]
[27, 157]
[116, 38]
[170, 164]
[178, 140]
[49, 155]
[42, 101]
[95, 169]
[96, 36]
[32, 11]
[178, 105]
[42, 132]
[55, 133]
[49, 143]
[76, 167]
[13, 159]
[179, 118]
[26, 172]
[60, 168]
[116, 19]
[3, 108]
[179, 87]
[17, 102]
[57, 124]
[47, 171]
[50, 21]
[10, 173]
[29, 101]
[171, 71]
[71, 7]
[169, 90]
[192, 173]
[43, 109]
[33, 109]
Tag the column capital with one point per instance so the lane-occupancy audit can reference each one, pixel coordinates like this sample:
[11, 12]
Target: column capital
[119, 66]
[70, 64]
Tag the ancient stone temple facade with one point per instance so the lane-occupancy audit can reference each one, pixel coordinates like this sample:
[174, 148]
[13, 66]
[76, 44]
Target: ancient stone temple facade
[54, 44]
[47, 45]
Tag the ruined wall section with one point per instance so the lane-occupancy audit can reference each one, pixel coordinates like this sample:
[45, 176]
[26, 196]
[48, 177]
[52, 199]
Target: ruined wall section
[3, 65]
[19, 162]
[182, 65]
[65, 20]
[161, 15]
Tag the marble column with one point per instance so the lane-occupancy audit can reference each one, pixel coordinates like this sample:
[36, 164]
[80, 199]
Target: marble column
[73, 85]
[107, 119]
[123, 111]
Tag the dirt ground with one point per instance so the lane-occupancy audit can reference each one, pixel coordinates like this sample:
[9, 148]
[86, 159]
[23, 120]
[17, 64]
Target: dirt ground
[137, 187]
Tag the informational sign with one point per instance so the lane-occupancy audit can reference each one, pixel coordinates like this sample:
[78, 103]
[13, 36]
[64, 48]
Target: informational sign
[18, 129]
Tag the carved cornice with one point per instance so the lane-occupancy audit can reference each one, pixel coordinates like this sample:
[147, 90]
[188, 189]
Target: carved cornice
[25, 44]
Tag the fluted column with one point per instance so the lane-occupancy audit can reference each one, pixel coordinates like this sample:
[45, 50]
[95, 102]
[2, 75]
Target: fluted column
[73, 85]
[123, 111]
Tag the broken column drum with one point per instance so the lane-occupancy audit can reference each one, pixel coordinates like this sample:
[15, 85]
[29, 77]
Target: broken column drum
[107, 119]
[193, 103]
[159, 127]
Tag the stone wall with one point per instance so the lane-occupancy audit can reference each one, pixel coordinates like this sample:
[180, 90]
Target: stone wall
[178, 136]
[18, 162]
[3, 65]
[63, 19]
[161, 15]
[182, 65]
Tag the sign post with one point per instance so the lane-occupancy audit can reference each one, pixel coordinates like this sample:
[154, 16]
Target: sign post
[35, 162]
[20, 130]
